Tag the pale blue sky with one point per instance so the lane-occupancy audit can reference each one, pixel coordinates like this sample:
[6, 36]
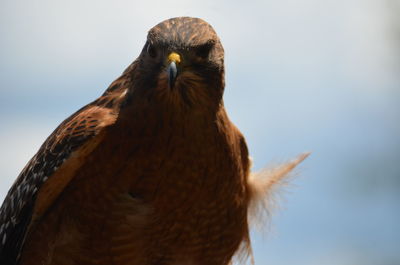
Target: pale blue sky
[302, 75]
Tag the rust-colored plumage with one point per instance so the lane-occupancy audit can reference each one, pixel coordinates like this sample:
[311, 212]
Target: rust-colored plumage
[151, 173]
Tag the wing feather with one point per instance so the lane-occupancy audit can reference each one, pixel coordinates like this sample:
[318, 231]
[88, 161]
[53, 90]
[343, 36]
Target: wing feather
[53, 166]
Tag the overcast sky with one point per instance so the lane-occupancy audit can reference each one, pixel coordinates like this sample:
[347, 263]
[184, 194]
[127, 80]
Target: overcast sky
[302, 75]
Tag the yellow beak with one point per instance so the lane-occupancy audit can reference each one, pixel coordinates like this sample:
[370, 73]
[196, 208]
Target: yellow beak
[174, 57]
[172, 70]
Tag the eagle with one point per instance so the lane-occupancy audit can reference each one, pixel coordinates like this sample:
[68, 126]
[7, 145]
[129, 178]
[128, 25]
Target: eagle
[152, 172]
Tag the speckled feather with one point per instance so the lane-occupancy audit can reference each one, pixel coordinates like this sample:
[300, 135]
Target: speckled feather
[17, 208]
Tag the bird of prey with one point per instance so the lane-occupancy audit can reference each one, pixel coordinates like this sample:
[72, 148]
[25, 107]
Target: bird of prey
[151, 173]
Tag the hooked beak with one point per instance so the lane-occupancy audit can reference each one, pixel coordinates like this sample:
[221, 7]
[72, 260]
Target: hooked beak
[172, 70]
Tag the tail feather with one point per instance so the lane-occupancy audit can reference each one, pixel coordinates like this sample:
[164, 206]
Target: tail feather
[263, 186]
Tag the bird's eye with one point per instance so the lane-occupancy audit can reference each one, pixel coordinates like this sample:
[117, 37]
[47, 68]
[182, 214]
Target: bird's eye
[151, 50]
[204, 50]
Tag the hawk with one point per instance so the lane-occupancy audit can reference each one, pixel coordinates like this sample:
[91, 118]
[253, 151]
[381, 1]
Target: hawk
[151, 173]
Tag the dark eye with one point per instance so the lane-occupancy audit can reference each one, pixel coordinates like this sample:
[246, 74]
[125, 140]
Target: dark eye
[151, 50]
[204, 50]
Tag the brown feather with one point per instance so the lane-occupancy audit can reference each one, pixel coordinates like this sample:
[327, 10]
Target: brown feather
[147, 174]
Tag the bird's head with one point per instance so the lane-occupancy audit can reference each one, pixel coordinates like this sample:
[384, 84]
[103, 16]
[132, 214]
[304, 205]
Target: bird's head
[183, 62]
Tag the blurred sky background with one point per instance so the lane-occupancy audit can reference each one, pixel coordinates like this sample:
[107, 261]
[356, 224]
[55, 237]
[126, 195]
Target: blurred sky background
[302, 75]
